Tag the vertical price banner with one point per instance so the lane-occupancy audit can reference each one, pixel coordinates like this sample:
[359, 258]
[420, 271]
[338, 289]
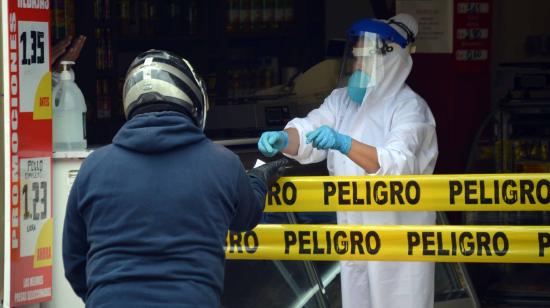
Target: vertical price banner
[28, 146]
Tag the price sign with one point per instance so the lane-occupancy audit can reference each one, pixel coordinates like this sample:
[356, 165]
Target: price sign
[471, 55]
[28, 186]
[472, 8]
[472, 39]
[33, 53]
[472, 34]
[35, 78]
[35, 204]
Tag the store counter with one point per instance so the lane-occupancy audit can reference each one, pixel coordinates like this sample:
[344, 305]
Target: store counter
[65, 169]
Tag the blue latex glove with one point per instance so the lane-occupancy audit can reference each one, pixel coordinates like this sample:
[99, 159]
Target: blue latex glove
[327, 138]
[271, 143]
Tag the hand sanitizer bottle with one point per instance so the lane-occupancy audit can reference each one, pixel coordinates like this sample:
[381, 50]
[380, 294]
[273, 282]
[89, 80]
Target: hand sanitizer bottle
[69, 113]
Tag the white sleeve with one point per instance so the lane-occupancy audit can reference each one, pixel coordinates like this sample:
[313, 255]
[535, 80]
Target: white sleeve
[411, 147]
[326, 114]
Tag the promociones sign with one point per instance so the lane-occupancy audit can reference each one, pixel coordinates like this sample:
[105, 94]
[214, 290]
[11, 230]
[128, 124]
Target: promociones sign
[493, 244]
[473, 192]
[28, 151]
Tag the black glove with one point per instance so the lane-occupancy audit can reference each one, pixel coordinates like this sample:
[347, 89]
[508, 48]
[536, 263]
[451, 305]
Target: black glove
[270, 172]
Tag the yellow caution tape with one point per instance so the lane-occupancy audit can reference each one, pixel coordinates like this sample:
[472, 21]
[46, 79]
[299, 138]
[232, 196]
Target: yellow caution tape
[488, 192]
[494, 244]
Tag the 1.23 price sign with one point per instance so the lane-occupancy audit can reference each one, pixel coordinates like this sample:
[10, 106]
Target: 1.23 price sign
[35, 205]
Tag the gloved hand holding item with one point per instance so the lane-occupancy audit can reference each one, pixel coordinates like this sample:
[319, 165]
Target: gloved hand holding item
[327, 138]
[270, 172]
[271, 143]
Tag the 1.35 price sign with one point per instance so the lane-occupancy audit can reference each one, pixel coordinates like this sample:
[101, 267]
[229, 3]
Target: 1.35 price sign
[32, 47]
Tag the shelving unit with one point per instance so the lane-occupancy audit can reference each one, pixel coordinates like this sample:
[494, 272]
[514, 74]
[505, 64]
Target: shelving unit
[523, 131]
[238, 47]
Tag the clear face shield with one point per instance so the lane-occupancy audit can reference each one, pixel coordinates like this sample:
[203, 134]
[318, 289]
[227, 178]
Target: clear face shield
[363, 66]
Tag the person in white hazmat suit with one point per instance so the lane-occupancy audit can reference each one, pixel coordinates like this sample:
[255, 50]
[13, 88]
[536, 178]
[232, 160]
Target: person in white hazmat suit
[376, 125]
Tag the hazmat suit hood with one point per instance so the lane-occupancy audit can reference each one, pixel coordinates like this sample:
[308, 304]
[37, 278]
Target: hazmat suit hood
[397, 64]
[390, 90]
[156, 132]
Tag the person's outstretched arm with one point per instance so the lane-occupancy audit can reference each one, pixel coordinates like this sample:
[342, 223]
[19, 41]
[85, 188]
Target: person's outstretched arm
[251, 193]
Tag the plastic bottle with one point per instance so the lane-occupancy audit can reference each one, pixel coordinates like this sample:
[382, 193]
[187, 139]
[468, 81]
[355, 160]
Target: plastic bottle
[233, 15]
[244, 16]
[267, 14]
[255, 15]
[192, 18]
[69, 113]
[125, 17]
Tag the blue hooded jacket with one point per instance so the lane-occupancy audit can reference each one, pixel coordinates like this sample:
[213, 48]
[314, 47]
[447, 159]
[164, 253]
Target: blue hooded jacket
[147, 216]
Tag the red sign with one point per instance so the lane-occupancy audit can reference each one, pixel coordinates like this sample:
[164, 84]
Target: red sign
[472, 29]
[29, 113]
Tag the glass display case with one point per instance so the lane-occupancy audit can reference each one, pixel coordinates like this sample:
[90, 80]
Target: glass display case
[514, 139]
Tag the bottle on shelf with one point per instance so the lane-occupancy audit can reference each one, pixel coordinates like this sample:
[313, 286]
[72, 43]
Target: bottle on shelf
[278, 14]
[233, 13]
[103, 99]
[152, 18]
[288, 16]
[102, 9]
[108, 50]
[69, 113]
[244, 15]
[267, 14]
[97, 9]
[107, 9]
[192, 18]
[100, 50]
[145, 17]
[70, 27]
[124, 17]
[255, 15]
[58, 19]
[175, 16]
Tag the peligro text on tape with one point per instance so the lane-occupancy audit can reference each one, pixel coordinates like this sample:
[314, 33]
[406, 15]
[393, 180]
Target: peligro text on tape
[529, 191]
[398, 243]
[457, 243]
[411, 193]
[242, 242]
[346, 193]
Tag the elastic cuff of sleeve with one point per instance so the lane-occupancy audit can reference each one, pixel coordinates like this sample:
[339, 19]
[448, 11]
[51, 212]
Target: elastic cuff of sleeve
[345, 145]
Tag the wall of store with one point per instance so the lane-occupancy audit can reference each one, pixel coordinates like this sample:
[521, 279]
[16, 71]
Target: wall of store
[515, 23]
[340, 14]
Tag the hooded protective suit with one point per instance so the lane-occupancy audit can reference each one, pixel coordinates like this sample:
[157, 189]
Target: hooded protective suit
[398, 122]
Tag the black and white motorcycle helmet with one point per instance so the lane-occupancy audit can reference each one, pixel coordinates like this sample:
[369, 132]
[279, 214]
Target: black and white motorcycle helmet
[158, 80]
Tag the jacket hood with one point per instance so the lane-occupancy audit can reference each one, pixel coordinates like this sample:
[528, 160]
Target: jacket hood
[158, 132]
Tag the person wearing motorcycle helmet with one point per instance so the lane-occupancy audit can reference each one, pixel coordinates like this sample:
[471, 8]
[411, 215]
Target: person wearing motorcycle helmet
[372, 124]
[147, 216]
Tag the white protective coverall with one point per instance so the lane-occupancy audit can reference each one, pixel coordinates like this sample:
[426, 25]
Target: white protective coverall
[398, 122]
